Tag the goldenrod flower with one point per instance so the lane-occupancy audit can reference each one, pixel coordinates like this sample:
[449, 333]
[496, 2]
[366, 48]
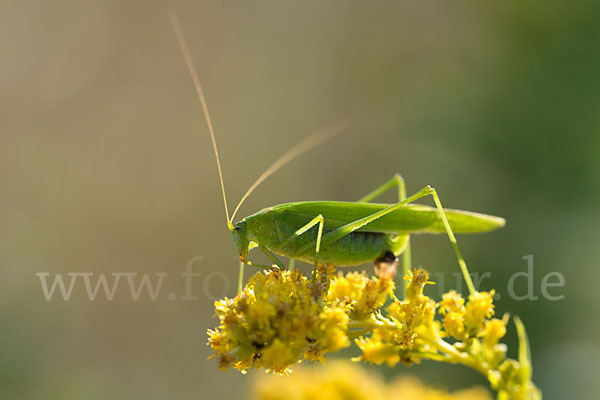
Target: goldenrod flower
[417, 279]
[376, 350]
[478, 308]
[343, 380]
[452, 302]
[494, 330]
[360, 295]
[282, 317]
[331, 333]
[277, 321]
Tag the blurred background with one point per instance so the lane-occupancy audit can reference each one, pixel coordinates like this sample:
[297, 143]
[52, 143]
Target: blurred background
[106, 167]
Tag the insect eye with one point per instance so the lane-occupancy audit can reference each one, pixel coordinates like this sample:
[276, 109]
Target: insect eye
[237, 228]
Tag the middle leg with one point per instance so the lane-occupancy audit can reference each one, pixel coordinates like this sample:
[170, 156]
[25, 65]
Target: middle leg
[316, 220]
[396, 181]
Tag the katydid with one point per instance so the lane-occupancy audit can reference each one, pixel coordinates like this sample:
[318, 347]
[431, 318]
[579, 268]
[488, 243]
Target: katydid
[336, 232]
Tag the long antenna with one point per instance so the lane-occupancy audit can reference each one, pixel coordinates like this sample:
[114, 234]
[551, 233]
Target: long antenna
[322, 134]
[194, 74]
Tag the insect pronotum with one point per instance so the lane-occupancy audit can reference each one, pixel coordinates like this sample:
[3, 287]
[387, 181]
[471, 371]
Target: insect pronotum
[337, 232]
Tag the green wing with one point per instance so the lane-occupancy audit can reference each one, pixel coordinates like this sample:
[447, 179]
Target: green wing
[412, 218]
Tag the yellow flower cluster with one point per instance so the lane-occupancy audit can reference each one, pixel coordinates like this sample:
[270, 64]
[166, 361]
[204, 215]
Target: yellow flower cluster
[473, 320]
[359, 295]
[395, 339]
[283, 317]
[278, 319]
[343, 380]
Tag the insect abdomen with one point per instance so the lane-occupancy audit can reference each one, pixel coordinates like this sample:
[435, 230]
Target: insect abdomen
[356, 248]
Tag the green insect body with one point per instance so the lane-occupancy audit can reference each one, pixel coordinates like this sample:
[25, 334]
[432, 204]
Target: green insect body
[334, 232]
[273, 226]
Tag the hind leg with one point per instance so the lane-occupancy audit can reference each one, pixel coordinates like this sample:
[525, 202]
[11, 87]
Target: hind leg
[337, 234]
[385, 260]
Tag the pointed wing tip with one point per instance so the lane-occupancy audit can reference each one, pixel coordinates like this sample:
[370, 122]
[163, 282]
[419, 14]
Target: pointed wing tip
[499, 222]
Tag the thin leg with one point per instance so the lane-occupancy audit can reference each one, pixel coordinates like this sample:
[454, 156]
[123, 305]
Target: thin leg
[257, 265]
[396, 181]
[241, 278]
[316, 220]
[342, 231]
[272, 256]
[269, 254]
[461, 261]
[318, 246]
[406, 265]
